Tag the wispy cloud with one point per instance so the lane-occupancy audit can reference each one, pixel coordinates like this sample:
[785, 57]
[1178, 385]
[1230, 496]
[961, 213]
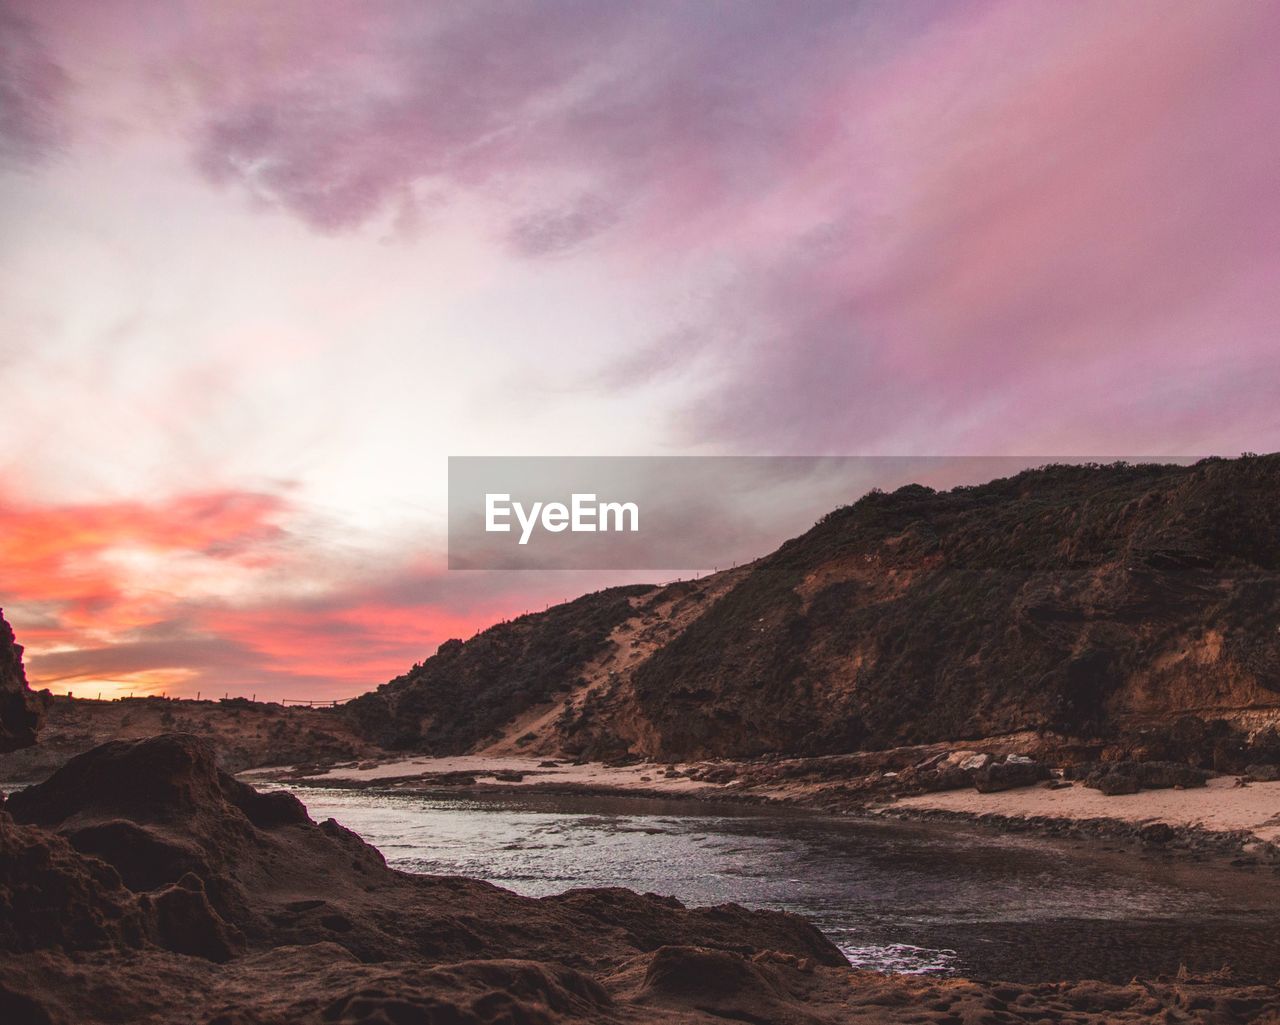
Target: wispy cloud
[33, 90]
[939, 221]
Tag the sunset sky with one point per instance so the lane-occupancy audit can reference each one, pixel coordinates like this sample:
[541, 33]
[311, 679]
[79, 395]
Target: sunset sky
[266, 265]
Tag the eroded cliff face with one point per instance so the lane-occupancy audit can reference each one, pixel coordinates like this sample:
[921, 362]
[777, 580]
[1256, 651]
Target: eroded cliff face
[21, 710]
[1089, 601]
[1073, 599]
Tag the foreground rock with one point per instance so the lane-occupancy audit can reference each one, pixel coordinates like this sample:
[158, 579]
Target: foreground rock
[142, 884]
[140, 874]
[21, 710]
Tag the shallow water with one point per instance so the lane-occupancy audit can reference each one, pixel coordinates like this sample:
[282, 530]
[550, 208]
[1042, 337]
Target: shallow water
[893, 896]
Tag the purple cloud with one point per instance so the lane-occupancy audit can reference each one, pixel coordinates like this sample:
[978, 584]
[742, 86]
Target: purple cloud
[33, 90]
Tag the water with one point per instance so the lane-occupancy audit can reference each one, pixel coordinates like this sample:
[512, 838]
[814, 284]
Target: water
[892, 896]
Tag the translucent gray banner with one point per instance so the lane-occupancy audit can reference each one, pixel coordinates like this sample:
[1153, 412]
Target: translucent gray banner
[676, 512]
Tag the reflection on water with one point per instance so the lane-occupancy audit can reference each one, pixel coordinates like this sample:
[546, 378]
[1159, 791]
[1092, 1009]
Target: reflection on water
[894, 897]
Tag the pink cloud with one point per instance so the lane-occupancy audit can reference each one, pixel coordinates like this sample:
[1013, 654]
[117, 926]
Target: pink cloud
[944, 222]
[33, 93]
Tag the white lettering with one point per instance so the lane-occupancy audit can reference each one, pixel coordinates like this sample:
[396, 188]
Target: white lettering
[618, 508]
[555, 517]
[492, 512]
[583, 514]
[581, 510]
[526, 525]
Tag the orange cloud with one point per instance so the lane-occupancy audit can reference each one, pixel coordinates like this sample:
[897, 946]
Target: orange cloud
[213, 592]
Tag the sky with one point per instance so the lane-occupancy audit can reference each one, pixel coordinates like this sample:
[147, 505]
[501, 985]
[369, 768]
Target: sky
[266, 265]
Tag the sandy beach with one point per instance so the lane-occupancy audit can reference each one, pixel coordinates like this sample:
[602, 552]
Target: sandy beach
[1221, 806]
[413, 771]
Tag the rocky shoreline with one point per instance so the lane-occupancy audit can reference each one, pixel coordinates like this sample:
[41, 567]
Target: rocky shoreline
[140, 883]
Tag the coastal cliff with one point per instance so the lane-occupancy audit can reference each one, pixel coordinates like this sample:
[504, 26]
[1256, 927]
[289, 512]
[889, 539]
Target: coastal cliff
[1091, 601]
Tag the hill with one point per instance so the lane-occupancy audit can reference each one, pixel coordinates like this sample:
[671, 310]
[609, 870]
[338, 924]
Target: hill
[1103, 601]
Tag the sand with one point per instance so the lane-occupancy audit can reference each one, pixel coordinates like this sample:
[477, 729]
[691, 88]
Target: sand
[645, 777]
[1220, 806]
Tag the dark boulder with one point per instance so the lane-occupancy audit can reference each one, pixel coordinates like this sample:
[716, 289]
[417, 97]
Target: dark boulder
[1129, 777]
[1114, 784]
[1157, 833]
[1009, 776]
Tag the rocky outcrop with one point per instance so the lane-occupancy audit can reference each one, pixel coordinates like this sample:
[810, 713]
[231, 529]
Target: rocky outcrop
[21, 710]
[147, 850]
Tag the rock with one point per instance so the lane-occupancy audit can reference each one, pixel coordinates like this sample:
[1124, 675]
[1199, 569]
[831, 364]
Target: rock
[508, 776]
[548, 765]
[512, 992]
[1263, 773]
[147, 846]
[969, 761]
[183, 920]
[719, 983]
[1113, 783]
[450, 779]
[1129, 777]
[21, 710]
[944, 777]
[1160, 775]
[52, 896]
[1009, 775]
[1157, 833]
